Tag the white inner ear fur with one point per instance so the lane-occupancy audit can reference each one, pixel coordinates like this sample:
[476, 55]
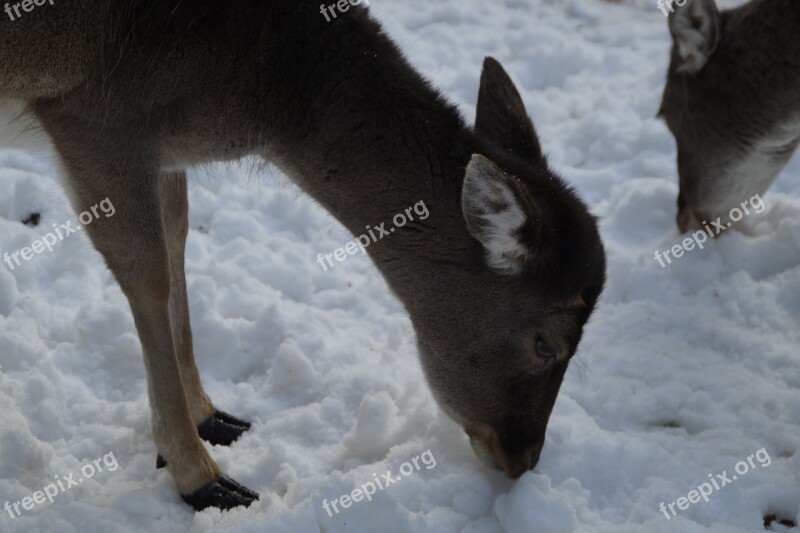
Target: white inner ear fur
[695, 45]
[494, 215]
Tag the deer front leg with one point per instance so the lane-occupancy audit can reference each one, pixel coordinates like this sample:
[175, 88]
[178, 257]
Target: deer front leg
[214, 426]
[133, 243]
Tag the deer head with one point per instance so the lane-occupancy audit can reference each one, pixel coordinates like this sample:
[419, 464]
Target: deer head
[731, 101]
[497, 344]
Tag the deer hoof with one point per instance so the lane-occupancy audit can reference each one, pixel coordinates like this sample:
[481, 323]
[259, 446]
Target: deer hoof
[223, 493]
[222, 429]
[232, 420]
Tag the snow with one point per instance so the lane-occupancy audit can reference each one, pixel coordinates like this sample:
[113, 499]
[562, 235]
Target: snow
[683, 370]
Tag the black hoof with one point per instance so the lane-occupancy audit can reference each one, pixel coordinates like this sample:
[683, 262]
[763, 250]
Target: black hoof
[232, 420]
[223, 493]
[222, 429]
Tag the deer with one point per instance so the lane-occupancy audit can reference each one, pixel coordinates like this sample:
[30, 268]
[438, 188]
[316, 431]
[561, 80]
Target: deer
[732, 102]
[499, 281]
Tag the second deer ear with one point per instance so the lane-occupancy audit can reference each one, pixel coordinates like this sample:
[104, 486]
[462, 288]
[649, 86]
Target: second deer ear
[501, 115]
[695, 29]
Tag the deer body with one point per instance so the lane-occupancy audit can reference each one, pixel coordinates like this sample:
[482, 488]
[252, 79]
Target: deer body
[498, 281]
[732, 101]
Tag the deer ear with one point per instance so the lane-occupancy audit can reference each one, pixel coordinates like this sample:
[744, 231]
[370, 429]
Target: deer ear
[499, 214]
[695, 29]
[501, 115]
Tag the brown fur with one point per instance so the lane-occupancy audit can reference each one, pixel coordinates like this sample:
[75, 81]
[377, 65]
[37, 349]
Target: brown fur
[732, 101]
[132, 92]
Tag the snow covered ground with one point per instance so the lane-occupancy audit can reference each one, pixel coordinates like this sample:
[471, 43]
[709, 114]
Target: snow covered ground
[682, 373]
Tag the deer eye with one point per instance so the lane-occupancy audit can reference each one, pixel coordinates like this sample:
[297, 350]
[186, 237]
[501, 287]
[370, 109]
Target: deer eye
[544, 350]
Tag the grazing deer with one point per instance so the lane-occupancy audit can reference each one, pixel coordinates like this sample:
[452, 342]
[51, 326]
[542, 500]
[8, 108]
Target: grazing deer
[732, 101]
[498, 281]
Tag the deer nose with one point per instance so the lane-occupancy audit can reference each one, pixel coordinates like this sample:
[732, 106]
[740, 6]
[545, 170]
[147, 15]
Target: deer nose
[515, 469]
[517, 465]
[514, 464]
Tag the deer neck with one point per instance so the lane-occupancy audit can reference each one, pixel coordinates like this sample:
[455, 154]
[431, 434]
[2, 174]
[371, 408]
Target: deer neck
[368, 138]
[759, 63]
